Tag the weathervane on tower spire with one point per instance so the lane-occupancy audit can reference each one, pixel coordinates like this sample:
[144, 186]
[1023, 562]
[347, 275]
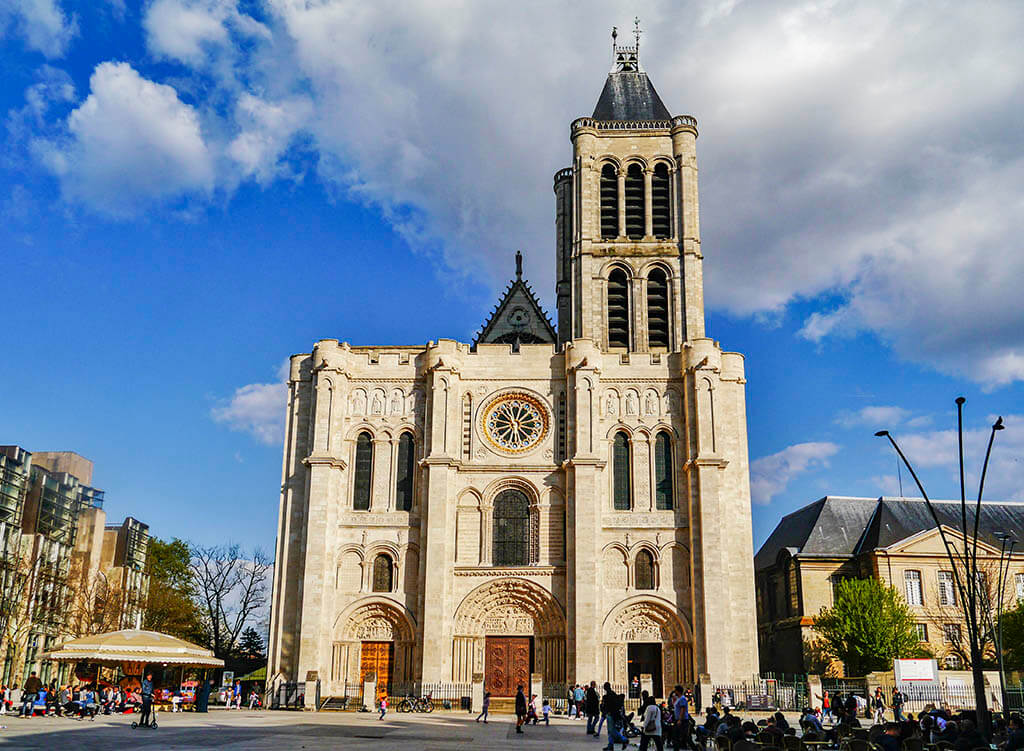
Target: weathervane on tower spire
[636, 34]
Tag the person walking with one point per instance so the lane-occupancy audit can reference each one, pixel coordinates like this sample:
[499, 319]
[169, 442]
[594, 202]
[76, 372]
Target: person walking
[485, 707]
[520, 708]
[650, 728]
[577, 697]
[612, 705]
[29, 694]
[592, 703]
[878, 705]
[147, 700]
[826, 705]
[897, 705]
[681, 715]
[383, 705]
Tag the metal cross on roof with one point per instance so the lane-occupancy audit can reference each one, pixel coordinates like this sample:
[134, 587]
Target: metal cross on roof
[637, 31]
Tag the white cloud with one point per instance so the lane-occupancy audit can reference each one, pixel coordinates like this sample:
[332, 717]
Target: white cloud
[842, 157]
[876, 417]
[937, 449]
[770, 475]
[258, 409]
[131, 142]
[267, 130]
[43, 25]
[190, 30]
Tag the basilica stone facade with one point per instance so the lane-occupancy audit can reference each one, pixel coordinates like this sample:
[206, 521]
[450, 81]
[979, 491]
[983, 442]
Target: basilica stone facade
[571, 501]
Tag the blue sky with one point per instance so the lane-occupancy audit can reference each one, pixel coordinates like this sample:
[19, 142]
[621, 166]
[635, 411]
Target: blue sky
[192, 190]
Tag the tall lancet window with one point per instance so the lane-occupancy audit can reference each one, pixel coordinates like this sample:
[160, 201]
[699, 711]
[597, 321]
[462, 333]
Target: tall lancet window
[363, 472]
[657, 309]
[662, 472]
[660, 215]
[403, 478]
[635, 211]
[511, 529]
[621, 492]
[609, 201]
[618, 309]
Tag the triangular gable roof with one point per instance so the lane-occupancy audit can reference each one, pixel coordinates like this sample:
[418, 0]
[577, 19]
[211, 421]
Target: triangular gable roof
[518, 318]
[953, 534]
[900, 518]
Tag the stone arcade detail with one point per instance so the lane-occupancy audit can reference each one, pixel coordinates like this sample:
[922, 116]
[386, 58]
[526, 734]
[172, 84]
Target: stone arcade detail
[572, 502]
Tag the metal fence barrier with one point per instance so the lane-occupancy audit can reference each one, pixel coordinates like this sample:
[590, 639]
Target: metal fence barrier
[289, 696]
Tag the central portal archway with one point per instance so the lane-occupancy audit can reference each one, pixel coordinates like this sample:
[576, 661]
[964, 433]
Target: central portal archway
[506, 629]
[648, 635]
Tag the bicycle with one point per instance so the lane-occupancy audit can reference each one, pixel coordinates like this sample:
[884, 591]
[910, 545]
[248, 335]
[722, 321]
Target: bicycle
[416, 704]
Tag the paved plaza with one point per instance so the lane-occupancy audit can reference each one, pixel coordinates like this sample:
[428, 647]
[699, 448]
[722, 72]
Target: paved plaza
[285, 731]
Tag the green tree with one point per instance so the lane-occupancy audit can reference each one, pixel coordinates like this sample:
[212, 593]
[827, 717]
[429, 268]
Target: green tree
[1013, 637]
[250, 646]
[868, 626]
[171, 607]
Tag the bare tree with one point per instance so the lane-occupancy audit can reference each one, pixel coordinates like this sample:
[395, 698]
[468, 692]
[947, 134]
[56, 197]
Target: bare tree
[951, 617]
[96, 607]
[231, 590]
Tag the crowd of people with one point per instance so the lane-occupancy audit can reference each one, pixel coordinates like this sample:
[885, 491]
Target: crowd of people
[71, 700]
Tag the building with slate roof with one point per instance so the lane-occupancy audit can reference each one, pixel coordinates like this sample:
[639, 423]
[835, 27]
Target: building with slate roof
[547, 499]
[892, 539]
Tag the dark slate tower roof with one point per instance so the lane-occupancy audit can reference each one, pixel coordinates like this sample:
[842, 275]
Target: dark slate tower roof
[518, 317]
[630, 95]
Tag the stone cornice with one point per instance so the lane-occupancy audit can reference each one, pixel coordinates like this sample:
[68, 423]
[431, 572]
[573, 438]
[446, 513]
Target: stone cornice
[324, 461]
[707, 462]
[645, 520]
[587, 461]
[379, 519]
[499, 572]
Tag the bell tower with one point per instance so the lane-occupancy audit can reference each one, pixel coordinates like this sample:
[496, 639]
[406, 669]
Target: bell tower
[628, 262]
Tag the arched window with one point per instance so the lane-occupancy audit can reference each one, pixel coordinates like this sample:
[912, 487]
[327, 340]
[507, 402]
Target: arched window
[363, 472]
[635, 213]
[662, 472]
[620, 473]
[609, 201]
[643, 571]
[511, 529]
[660, 214]
[383, 573]
[618, 309]
[403, 476]
[657, 308]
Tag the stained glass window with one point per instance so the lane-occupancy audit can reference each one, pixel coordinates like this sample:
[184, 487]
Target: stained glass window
[662, 472]
[363, 472]
[406, 468]
[620, 472]
[644, 570]
[383, 574]
[511, 529]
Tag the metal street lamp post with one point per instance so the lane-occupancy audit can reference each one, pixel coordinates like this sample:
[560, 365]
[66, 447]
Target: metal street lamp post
[1005, 553]
[969, 585]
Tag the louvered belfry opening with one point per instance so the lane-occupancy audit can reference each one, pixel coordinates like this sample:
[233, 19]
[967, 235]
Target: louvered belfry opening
[657, 309]
[635, 202]
[609, 202]
[660, 214]
[618, 309]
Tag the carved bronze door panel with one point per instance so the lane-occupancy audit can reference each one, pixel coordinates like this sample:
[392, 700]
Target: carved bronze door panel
[507, 664]
[377, 657]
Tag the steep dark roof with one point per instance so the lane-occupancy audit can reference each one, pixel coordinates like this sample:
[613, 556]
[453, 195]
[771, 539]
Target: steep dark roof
[899, 518]
[518, 317]
[630, 95]
[829, 526]
[837, 526]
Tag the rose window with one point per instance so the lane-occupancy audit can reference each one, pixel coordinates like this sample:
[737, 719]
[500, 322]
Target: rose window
[515, 423]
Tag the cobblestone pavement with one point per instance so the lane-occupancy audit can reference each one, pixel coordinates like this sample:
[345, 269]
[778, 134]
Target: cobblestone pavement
[284, 731]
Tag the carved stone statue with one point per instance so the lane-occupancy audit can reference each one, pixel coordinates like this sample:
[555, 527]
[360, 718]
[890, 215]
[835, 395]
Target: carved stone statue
[631, 403]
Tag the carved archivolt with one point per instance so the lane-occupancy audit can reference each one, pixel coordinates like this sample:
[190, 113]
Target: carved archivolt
[645, 619]
[375, 621]
[509, 606]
